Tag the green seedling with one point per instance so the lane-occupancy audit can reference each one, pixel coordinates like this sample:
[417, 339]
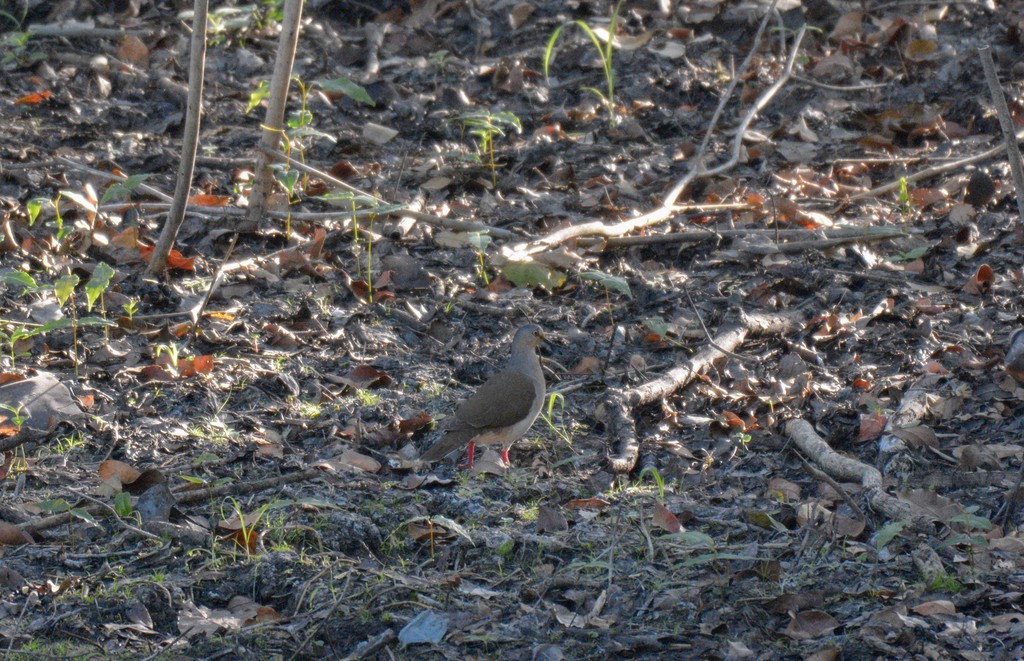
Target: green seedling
[480, 241]
[15, 48]
[16, 418]
[548, 416]
[124, 189]
[59, 506]
[659, 481]
[372, 208]
[483, 126]
[247, 526]
[172, 354]
[609, 282]
[904, 196]
[123, 504]
[94, 288]
[131, 308]
[603, 50]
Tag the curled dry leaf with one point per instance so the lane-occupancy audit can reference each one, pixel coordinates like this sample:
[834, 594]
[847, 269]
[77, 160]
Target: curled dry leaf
[982, 281]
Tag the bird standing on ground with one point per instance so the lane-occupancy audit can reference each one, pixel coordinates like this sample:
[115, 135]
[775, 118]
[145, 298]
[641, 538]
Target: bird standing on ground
[503, 408]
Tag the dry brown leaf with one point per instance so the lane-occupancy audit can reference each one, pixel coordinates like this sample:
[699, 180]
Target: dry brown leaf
[665, 519]
[811, 624]
[550, 520]
[981, 283]
[11, 535]
[112, 467]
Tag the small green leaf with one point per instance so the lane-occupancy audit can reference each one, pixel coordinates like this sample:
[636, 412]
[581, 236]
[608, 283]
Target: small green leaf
[123, 189]
[972, 521]
[84, 516]
[533, 274]
[98, 283]
[34, 206]
[257, 96]
[299, 119]
[608, 282]
[343, 85]
[18, 279]
[288, 179]
[123, 504]
[889, 533]
[657, 326]
[65, 286]
[479, 240]
[54, 505]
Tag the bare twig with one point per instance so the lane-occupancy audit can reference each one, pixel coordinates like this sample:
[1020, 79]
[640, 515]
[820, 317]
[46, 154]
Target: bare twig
[1006, 123]
[934, 170]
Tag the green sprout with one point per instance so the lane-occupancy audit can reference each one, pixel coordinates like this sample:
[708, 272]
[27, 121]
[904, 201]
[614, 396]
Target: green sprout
[603, 50]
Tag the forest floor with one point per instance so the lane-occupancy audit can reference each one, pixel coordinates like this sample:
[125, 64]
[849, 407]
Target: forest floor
[784, 417]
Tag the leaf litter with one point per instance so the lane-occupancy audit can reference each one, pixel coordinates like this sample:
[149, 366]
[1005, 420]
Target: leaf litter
[242, 475]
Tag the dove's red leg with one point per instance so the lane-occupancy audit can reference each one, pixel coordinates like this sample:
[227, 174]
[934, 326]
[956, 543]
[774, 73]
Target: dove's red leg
[469, 454]
[504, 457]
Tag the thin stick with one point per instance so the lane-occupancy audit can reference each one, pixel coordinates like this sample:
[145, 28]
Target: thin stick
[934, 170]
[1006, 123]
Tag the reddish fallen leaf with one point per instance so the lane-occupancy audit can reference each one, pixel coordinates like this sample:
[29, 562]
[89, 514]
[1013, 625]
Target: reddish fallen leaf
[365, 376]
[344, 171]
[196, 365]
[810, 624]
[175, 260]
[155, 373]
[795, 601]
[665, 519]
[181, 329]
[247, 539]
[280, 337]
[128, 238]
[144, 481]
[203, 200]
[587, 504]
[550, 520]
[587, 365]
[114, 468]
[132, 50]
[871, 426]
[316, 246]
[32, 99]
[410, 426]
[418, 532]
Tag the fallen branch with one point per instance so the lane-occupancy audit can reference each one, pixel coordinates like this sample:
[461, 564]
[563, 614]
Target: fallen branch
[928, 173]
[619, 404]
[822, 238]
[844, 468]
